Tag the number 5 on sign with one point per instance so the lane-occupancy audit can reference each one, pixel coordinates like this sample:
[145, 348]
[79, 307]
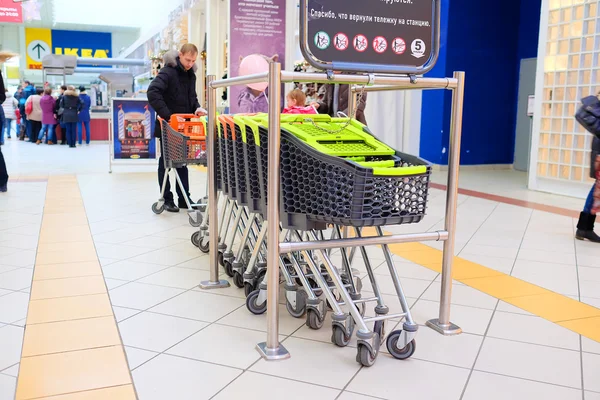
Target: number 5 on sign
[418, 48]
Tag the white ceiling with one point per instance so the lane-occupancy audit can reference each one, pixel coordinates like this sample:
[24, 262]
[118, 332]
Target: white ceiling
[106, 15]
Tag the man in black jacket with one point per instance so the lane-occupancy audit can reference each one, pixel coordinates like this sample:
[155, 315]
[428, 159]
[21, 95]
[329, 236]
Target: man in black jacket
[173, 91]
[3, 172]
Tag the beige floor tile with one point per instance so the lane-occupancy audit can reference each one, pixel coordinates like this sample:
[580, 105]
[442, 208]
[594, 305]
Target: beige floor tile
[470, 319]
[75, 371]
[74, 219]
[57, 337]
[157, 332]
[497, 387]
[8, 385]
[67, 246]
[73, 255]
[591, 371]
[199, 306]
[525, 328]
[169, 377]
[279, 388]
[68, 308]
[63, 209]
[394, 379]
[70, 234]
[336, 366]
[67, 287]
[224, 345]
[125, 392]
[529, 361]
[71, 270]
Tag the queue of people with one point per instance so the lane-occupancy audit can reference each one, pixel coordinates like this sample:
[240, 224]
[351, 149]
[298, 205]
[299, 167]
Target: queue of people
[38, 114]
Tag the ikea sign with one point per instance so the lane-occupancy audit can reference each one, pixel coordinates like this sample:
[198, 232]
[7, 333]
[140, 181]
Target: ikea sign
[41, 42]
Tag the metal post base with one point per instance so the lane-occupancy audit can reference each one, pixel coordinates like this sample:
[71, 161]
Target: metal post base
[279, 353]
[206, 285]
[446, 330]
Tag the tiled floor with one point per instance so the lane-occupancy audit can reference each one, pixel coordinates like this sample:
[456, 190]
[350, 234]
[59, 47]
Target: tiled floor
[184, 343]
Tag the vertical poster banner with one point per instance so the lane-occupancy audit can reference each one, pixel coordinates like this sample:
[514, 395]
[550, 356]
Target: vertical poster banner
[257, 29]
[133, 129]
[10, 11]
[39, 45]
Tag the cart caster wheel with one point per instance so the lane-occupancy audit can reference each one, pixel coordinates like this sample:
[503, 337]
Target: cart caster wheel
[221, 259]
[313, 321]
[238, 280]
[196, 239]
[364, 356]
[400, 354]
[256, 309]
[339, 337]
[228, 268]
[193, 223]
[248, 288]
[156, 209]
[300, 309]
[204, 246]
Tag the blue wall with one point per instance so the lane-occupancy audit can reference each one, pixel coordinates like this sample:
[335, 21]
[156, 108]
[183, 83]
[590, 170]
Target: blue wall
[487, 42]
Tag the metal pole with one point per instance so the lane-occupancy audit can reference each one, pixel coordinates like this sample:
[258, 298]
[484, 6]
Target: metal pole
[213, 205]
[351, 102]
[272, 349]
[291, 247]
[443, 324]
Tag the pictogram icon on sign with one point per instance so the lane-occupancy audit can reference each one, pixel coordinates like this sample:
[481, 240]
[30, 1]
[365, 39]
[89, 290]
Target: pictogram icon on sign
[340, 41]
[418, 48]
[360, 43]
[322, 40]
[398, 46]
[380, 44]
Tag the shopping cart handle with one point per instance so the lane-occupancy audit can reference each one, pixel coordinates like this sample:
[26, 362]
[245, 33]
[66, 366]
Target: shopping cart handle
[290, 118]
[174, 117]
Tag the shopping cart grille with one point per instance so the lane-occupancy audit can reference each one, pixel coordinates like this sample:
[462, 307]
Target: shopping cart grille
[180, 150]
[346, 147]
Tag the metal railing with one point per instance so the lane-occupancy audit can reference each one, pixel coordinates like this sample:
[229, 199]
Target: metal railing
[272, 349]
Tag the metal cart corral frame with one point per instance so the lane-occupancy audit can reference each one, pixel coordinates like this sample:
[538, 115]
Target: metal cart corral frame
[272, 349]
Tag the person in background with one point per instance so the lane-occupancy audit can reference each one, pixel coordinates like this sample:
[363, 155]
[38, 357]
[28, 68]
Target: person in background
[58, 116]
[28, 91]
[296, 103]
[48, 104]
[35, 115]
[84, 117]
[71, 105]
[4, 56]
[10, 105]
[173, 91]
[2, 118]
[334, 98]
[587, 218]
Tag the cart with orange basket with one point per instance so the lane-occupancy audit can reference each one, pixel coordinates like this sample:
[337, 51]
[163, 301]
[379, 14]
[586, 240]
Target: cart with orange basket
[184, 143]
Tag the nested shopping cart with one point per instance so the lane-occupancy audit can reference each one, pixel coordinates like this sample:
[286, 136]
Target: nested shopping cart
[184, 143]
[334, 174]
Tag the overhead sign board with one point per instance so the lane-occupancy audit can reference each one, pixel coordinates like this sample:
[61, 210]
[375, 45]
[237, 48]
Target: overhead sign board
[10, 11]
[41, 42]
[385, 36]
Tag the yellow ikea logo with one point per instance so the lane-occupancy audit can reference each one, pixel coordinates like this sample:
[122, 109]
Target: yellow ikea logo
[85, 53]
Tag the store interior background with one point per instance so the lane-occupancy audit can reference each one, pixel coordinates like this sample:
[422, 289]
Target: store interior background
[488, 42]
